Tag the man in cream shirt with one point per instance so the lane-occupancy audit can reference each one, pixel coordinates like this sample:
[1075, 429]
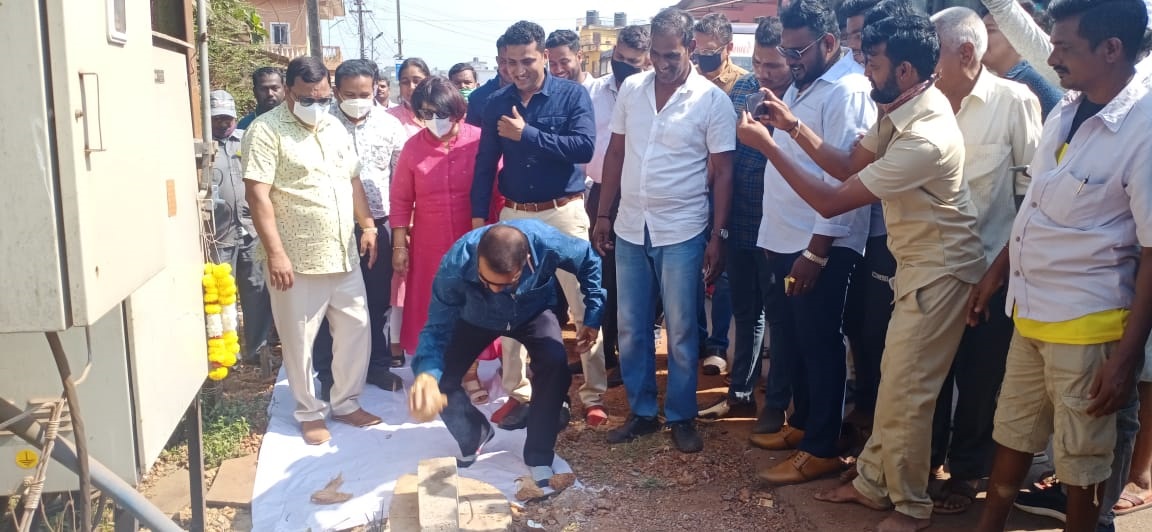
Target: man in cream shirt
[1000, 121]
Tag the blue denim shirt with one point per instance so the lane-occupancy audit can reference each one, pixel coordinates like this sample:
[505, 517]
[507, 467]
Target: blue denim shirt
[478, 100]
[459, 294]
[1048, 94]
[545, 164]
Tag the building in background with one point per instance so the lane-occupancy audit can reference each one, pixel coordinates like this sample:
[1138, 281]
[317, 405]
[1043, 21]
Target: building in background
[747, 11]
[597, 37]
[287, 25]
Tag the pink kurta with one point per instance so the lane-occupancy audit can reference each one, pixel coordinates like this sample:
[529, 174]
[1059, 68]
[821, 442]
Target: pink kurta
[411, 126]
[432, 187]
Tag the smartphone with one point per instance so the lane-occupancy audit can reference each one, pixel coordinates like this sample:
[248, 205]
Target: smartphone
[755, 105]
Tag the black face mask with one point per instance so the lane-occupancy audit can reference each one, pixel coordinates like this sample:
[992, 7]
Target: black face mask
[710, 63]
[622, 70]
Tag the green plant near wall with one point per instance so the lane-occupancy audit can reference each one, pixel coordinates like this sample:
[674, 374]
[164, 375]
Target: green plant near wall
[235, 49]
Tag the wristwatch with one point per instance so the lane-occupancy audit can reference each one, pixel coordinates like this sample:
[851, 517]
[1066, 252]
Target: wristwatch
[820, 261]
[722, 233]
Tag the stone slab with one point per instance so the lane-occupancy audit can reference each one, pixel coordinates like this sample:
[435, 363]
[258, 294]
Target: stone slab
[234, 482]
[171, 494]
[482, 507]
[438, 496]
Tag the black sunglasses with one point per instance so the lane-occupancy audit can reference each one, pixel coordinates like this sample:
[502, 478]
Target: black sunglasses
[425, 114]
[310, 101]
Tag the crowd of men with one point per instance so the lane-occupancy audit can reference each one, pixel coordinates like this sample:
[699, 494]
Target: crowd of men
[961, 202]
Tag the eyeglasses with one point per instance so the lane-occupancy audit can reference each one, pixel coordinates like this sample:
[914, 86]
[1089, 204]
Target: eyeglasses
[499, 287]
[310, 101]
[425, 114]
[796, 53]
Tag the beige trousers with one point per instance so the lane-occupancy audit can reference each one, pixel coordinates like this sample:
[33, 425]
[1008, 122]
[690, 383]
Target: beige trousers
[923, 335]
[572, 220]
[299, 312]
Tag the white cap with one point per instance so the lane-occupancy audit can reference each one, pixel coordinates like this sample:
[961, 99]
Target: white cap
[222, 103]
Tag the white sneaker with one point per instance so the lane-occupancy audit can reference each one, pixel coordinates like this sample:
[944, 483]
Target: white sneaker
[715, 365]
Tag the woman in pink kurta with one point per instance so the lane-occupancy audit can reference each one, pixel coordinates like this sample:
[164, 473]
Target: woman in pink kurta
[432, 187]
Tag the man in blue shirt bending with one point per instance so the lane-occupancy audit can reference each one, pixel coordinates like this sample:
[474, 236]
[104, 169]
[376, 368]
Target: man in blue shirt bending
[543, 128]
[501, 281]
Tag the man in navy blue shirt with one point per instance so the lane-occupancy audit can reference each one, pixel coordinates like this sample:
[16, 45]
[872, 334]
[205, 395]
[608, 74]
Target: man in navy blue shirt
[543, 128]
[501, 281]
[478, 100]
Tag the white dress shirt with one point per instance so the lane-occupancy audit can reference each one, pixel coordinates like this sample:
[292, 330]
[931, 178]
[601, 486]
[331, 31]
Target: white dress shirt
[1001, 124]
[603, 92]
[1076, 242]
[664, 186]
[839, 108]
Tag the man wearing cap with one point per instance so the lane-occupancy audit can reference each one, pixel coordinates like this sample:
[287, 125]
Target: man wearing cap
[234, 239]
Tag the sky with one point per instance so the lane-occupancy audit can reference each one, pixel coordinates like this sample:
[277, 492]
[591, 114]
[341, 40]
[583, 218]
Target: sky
[446, 32]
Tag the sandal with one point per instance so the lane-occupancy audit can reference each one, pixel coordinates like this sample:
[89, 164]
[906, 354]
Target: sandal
[955, 497]
[1135, 502]
[476, 393]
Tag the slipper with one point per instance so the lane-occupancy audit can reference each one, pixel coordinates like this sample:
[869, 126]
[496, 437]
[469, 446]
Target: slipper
[476, 393]
[1135, 502]
[955, 497]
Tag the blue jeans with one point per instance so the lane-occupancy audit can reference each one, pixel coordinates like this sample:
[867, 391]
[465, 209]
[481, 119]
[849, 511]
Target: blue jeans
[644, 275]
[252, 290]
[806, 331]
[1127, 425]
[744, 270]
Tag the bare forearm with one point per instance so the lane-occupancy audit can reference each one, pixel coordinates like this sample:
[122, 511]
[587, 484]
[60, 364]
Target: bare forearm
[360, 205]
[400, 237]
[264, 219]
[821, 245]
[1135, 336]
[838, 163]
[721, 196]
[610, 183]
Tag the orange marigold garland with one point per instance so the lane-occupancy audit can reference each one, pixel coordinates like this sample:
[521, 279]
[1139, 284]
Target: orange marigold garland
[220, 318]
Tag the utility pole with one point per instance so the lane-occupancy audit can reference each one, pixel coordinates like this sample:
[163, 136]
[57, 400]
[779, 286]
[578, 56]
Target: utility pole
[315, 45]
[360, 11]
[399, 35]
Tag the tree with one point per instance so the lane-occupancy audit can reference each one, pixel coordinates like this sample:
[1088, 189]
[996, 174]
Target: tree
[235, 37]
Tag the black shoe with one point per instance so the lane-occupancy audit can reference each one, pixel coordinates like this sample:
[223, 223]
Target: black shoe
[385, 380]
[1046, 498]
[486, 435]
[635, 427]
[769, 421]
[685, 437]
[565, 414]
[715, 362]
[325, 391]
[614, 378]
[398, 362]
[517, 418]
[576, 368]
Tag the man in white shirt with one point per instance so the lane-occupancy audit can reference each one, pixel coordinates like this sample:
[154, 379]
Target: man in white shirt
[812, 257]
[565, 59]
[1079, 291]
[1000, 121]
[377, 138]
[669, 128]
[629, 57]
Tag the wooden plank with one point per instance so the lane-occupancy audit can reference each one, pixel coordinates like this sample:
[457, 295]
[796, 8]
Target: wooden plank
[438, 495]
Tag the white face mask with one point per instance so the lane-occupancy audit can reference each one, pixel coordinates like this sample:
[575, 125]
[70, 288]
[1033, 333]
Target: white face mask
[439, 126]
[357, 108]
[309, 114]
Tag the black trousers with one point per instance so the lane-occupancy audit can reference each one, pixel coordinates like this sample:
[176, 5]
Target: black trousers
[378, 286]
[550, 381]
[866, 313]
[963, 438]
[608, 324]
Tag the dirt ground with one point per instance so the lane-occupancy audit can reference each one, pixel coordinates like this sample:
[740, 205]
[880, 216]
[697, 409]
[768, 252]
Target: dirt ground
[646, 485]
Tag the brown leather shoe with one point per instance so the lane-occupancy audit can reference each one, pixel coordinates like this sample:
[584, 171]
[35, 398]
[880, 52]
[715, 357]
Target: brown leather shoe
[314, 432]
[800, 467]
[785, 440]
[359, 418]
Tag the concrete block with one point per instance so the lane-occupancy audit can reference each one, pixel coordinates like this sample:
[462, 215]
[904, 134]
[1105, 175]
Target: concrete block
[438, 495]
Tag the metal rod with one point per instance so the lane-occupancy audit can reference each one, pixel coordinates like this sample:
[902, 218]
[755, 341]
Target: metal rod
[77, 426]
[399, 34]
[205, 104]
[194, 431]
[105, 480]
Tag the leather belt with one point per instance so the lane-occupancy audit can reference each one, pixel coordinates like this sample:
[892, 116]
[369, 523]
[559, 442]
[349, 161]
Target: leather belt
[543, 205]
